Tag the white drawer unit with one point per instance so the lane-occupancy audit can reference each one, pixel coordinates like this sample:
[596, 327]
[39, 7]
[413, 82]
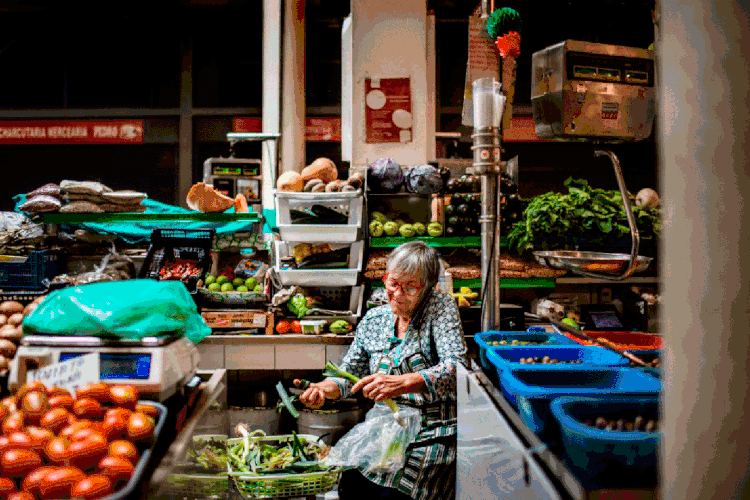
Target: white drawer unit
[320, 276]
[321, 206]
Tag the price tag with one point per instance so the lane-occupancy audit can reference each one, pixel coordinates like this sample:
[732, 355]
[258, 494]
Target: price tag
[70, 374]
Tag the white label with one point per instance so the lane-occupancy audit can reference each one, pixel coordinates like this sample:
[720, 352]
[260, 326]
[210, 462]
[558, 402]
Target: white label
[259, 320]
[70, 374]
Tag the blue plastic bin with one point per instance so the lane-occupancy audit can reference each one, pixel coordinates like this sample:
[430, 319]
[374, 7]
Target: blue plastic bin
[648, 356]
[608, 459]
[532, 390]
[484, 339]
[508, 357]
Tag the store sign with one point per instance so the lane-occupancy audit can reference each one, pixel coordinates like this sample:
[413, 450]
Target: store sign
[72, 132]
[322, 129]
[388, 110]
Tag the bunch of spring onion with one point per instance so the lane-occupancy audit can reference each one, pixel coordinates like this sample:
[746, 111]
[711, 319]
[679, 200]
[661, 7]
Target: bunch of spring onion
[257, 454]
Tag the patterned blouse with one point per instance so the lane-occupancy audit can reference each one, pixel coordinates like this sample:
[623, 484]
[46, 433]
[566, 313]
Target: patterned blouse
[430, 470]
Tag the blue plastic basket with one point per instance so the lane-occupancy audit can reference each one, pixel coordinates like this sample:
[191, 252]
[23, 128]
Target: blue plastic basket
[608, 459]
[532, 390]
[484, 341]
[504, 358]
[34, 273]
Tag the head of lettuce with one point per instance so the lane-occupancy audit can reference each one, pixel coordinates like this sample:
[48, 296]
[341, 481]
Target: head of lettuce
[130, 309]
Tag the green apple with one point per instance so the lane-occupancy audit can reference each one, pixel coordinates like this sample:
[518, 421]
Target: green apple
[250, 283]
[390, 228]
[434, 229]
[238, 282]
[378, 216]
[419, 228]
[210, 278]
[242, 288]
[257, 289]
[227, 287]
[214, 287]
[569, 322]
[376, 229]
[222, 279]
[407, 231]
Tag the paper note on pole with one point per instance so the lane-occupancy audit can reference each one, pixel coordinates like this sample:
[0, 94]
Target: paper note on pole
[70, 374]
[483, 61]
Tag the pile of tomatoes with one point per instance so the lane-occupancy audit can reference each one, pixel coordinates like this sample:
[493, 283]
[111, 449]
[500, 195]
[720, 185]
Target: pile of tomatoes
[55, 445]
[285, 326]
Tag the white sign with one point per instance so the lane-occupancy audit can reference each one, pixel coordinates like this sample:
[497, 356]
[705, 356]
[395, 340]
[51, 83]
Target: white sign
[70, 374]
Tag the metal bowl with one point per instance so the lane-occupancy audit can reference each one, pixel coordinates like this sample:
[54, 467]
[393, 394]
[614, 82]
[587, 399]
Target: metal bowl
[591, 262]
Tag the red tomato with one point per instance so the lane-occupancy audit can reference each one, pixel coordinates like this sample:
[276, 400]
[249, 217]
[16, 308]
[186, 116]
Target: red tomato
[148, 410]
[75, 427]
[87, 433]
[124, 449]
[56, 451]
[98, 392]
[4, 443]
[58, 391]
[7, 486]
[91, 487]
[114, 427]
[296, 326]
[86, 454]
[88, 408]
[14, 423]
[4, 412]
[26, 388]
[39, 438]
[59, 482]
[55, 419]
[283, 326]
[61, 401]
[18, 463]
[34, 404]
[118, 412]
[140, 428]
[31, 482]
[117, 469]
[125, 396]
[20, 495]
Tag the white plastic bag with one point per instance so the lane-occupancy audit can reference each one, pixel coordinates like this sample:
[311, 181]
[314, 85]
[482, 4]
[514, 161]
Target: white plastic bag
[379, 443]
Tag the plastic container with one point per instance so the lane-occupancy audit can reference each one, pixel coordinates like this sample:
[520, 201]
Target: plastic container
[34, 273]
[608, 459]
[531, 390]
[648, 356]
[176, 245]
[505, 358]
[337, 298]
[346, 203]
[485, 340]
[624, 340]
[313, 326]
[320, 277]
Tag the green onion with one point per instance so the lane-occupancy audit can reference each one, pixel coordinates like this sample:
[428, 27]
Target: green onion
[334, 371]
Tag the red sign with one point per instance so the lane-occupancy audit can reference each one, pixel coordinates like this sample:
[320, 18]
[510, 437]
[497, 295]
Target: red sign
[387, 110]
[522, 129]
[326, 128]
[72, 132]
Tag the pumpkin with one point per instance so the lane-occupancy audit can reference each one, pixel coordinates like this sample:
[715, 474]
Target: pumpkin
[290, 181]
[204, 198]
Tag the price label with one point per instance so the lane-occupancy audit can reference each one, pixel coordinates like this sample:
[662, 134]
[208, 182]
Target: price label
[71, 374]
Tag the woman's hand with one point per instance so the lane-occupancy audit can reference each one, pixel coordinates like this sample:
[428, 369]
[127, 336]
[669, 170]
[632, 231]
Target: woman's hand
[316, 394]
[380, 387]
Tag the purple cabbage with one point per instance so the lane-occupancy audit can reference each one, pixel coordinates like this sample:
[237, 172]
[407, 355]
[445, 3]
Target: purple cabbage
[423, 179]
[385, 176]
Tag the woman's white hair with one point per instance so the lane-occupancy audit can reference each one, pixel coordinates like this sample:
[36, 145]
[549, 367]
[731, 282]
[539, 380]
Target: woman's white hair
[415, 258]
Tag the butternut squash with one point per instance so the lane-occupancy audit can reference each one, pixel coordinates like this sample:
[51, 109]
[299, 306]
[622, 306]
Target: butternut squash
[204, 198]
[321, 168]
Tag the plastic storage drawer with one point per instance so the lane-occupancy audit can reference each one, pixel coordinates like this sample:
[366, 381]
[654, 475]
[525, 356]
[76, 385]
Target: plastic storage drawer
[34, 273]
[625, 340]
[531, 390]
[487, 340]
[346, 204]
[321, 276]
[608, 459]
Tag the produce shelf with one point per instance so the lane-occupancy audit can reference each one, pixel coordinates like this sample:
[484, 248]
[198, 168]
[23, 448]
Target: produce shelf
[433, 241]
[58, 218]
[504, 283]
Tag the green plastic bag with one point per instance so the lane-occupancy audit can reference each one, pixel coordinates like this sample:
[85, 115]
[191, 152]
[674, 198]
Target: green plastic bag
[130, 309]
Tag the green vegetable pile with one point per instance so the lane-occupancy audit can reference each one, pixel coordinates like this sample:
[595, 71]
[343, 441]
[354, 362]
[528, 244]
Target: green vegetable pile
[259, 455]
[585, 215]
[210, 455]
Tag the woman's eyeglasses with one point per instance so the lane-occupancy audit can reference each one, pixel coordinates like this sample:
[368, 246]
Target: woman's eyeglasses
[392, 285]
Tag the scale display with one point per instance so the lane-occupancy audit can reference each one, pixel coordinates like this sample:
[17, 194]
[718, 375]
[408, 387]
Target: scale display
[135, 366]
[601, 317]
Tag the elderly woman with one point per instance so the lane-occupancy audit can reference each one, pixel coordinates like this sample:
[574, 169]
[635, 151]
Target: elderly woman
[407, 350]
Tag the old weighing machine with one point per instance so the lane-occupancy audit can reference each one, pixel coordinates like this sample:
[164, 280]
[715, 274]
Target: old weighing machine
[158, 366]
[596, 92]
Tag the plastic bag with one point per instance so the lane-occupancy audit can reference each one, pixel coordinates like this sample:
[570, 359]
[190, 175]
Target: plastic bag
[379, 443]
[488, 467]
[130, 309]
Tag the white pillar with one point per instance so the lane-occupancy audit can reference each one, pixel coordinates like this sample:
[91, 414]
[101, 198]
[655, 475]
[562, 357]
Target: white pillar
[704, 125]
[293, 87]
[271, 93]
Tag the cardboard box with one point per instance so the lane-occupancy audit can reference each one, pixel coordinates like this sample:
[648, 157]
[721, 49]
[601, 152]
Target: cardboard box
[239, 318]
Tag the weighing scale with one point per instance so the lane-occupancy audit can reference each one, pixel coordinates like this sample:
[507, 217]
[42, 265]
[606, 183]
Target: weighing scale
[158, 366]
[601, 318]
